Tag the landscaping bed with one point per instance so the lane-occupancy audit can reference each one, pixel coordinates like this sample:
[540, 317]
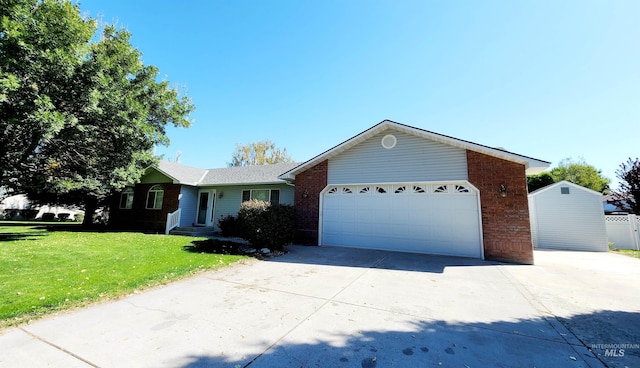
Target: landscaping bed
[229, 247]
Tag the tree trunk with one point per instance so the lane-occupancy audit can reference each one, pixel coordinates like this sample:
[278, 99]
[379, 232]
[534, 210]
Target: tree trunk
[90, 206]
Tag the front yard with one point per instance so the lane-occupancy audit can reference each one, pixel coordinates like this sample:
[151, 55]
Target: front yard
[44, 270]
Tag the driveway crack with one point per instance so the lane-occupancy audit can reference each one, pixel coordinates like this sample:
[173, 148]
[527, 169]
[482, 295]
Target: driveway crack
[57, 347]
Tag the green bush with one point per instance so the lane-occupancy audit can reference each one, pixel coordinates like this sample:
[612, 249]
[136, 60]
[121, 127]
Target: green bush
[264, 225]
[229, 226]
[79, 217]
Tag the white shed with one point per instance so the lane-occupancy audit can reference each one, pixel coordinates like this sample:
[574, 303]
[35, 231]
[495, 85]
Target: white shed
[565, 215]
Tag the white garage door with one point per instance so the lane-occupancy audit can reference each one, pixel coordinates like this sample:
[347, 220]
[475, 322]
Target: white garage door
[437, 218]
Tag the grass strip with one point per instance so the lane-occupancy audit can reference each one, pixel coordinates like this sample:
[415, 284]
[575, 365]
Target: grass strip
[44, 271]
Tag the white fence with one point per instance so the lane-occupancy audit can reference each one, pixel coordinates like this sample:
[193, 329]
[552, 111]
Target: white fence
[622, 231]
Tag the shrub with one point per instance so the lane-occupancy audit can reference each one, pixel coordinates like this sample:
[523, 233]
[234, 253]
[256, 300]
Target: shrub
[229, 226]
[267, 226]
[79, 217]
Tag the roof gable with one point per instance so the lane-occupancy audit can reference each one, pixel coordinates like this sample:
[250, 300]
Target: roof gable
[532, 165]
[565, 184]
[179, 173]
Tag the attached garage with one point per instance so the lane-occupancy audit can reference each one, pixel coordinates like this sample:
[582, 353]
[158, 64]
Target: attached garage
[397, 187]
[435, 218]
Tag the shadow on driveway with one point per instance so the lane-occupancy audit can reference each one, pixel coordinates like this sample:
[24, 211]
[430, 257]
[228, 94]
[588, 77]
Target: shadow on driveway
[530, 342]
[366, 258]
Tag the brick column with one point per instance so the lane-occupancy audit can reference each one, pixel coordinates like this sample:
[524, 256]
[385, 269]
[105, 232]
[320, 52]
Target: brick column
[309, 184]
[506, 228]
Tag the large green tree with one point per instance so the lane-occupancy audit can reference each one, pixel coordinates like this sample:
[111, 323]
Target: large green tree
[88, 126]
[40, 45]
[577, 172]
[627, 196]
[259, 153]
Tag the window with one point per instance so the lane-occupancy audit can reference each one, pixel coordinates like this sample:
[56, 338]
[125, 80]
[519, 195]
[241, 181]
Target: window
[267, 195]
[126, 198]
[154, 197]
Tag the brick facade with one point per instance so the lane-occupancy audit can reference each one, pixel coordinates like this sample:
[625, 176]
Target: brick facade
[309, 184]
[140, 218]
[505, 220]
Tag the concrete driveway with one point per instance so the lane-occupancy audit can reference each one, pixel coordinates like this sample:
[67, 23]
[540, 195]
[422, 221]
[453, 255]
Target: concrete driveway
[335, 307]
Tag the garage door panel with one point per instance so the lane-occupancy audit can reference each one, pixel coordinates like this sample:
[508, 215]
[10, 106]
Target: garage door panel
[426, 222]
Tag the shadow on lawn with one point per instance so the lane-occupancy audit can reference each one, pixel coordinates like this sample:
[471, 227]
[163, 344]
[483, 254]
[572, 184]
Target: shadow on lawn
[528, 342]
[9, 237]
[215, 246]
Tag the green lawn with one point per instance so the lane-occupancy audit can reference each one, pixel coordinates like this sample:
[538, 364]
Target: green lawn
[43, 269]
[630, 253]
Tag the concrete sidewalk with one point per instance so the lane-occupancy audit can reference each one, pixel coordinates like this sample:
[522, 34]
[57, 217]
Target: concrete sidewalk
[335, 307]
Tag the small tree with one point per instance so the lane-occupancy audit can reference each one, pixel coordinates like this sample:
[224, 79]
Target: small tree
[259, 153]
[628, 194]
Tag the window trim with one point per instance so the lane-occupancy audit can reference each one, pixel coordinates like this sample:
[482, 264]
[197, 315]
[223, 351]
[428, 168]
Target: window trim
[271, 191]
[129, 193]
[155, 189]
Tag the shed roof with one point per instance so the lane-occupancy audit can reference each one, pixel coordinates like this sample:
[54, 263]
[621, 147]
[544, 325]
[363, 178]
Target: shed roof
[532, 165]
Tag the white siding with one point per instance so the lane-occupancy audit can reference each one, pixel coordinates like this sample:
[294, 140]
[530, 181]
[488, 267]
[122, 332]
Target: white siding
[188, 204]
[412, 159]
[573, 221]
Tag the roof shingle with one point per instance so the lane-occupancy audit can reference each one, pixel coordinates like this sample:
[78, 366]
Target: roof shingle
[259, 174]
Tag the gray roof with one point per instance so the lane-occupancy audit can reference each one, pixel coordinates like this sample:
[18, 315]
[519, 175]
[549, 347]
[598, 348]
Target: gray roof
[181, 174]
[258, 174]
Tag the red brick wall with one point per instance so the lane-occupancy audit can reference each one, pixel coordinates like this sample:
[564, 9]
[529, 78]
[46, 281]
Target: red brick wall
[309, 184]
[505, 220]
[140, 218]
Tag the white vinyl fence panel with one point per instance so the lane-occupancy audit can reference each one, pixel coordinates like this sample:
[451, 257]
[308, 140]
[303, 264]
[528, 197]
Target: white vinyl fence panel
[622, 231]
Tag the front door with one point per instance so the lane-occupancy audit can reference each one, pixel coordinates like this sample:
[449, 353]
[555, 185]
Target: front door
[206, 202]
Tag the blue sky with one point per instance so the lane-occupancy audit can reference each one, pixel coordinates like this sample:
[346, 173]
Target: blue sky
[546, 79]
